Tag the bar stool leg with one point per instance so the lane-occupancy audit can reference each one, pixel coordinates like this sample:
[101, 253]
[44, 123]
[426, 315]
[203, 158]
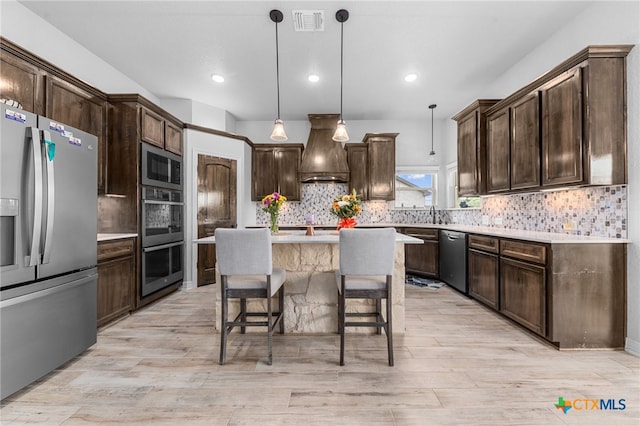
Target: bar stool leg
[243, 317]
[389, 323]
[223, 320]
[281, 309]
[342, 319]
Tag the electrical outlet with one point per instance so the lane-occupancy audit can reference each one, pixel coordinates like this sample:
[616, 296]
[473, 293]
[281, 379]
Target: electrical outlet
[485, 219]
[497, 221]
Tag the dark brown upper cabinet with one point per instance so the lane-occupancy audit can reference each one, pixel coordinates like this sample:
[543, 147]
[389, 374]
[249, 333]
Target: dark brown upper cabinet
[172, 138]
[513, 146]
[498, 151]
[372, 166]
[151, 128]
[472, 151]
[42, 88]
[562, 129]
[22, 82]
[381, 164]
[584, 126]
[275, 167]
[134, 119]
[78, 108]
[358, 160]
[157, 130]
[84, 110]
[525, 143]
[568, 127]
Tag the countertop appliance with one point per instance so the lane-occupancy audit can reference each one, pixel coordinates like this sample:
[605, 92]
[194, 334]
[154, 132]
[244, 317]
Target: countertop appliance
[48, 228]
[453, 260]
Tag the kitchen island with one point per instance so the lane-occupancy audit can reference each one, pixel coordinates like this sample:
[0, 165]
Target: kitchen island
[311, 293]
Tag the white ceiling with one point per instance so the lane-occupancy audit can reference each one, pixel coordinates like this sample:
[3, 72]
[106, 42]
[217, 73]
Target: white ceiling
[457, 48]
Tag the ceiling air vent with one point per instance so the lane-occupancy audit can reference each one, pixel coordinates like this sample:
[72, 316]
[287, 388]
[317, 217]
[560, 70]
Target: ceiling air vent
[308, 20]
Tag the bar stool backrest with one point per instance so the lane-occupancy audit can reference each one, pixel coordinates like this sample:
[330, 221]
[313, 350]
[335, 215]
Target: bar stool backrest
[367, 251]
[244, 251]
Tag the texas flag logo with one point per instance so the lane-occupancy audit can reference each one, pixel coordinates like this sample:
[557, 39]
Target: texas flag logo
[563, 405]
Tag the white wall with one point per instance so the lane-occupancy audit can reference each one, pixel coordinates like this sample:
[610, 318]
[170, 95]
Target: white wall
[602, 23]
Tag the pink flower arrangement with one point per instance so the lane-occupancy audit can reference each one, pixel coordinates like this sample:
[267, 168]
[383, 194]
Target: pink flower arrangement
[272, 203]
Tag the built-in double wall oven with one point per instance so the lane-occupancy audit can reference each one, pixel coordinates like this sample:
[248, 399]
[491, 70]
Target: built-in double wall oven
[162, 220]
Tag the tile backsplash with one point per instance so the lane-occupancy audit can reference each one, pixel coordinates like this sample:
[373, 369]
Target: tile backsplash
[599, 211]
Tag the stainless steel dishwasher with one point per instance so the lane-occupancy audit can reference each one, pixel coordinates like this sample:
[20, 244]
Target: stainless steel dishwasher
[453, 260]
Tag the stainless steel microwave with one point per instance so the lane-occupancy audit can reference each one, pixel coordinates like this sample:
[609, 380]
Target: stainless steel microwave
[161, 168]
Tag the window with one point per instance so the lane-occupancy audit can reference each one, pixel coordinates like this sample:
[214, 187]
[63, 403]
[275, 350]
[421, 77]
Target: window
[453, 201]
[416, 187]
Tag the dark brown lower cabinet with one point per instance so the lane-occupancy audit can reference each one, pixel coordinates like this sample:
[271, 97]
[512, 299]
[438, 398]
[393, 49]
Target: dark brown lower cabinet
[484, 277]
[116, 279]
[422, 259]
[571, 294]
[523, 294]
[587, 295]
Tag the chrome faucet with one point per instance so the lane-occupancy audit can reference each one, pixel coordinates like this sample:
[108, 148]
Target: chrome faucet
[432, 212]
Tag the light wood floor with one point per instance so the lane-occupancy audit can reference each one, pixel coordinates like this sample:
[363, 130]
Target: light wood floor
[458, 363]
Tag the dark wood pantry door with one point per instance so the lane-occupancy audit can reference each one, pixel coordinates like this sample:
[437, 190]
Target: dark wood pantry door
[217, 195]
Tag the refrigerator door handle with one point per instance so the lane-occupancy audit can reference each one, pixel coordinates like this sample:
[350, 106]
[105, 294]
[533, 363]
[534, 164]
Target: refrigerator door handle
[36, 230]
[51, 196]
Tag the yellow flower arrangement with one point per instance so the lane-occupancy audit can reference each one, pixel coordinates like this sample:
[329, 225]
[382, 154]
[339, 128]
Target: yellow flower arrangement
[271, 203]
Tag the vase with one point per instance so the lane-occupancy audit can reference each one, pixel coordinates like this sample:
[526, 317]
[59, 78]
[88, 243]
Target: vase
[273, 218]
[346, 222]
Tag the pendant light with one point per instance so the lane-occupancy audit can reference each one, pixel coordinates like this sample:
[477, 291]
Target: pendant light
[278, 133]
[432, 107]
[341, 130]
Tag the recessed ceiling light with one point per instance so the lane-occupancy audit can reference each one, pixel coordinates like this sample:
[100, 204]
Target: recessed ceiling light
[410, 77]
[217, 78]
[313, 78]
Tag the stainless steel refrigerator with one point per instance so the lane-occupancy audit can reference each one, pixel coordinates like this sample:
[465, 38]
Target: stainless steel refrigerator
[48, 229]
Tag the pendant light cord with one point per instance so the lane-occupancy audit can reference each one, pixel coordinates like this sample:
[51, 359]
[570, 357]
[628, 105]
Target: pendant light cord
[432, 107]
[341, 62]
[277, 71]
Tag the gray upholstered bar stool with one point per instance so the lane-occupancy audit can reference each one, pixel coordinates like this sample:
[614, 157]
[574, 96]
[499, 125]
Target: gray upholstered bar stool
[246, 272]
[366, 271]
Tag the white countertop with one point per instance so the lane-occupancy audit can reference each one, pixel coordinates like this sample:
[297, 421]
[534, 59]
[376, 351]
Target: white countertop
[107, 237]
[535, 236]
[320, 237]
[541, 237]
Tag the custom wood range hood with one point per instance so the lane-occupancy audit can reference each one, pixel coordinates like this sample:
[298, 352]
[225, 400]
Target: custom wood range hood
[323, 159]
